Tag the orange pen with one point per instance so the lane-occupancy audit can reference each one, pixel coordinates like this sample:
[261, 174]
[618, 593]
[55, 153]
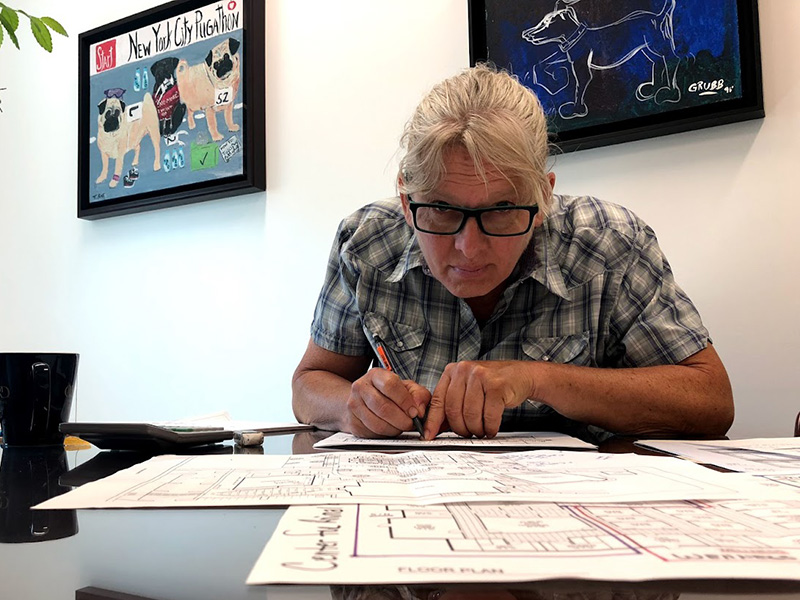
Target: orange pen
[388, 366]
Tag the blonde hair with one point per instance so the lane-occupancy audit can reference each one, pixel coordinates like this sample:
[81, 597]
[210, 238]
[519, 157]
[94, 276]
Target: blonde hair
[497, 120]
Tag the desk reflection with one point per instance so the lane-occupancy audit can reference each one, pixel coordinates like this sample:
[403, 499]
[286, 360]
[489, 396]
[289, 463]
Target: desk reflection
[28, 476]
[407, 592]
[303, 442]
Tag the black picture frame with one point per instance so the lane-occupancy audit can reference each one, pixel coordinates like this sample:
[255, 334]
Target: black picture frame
[714, 85]
[129, 77]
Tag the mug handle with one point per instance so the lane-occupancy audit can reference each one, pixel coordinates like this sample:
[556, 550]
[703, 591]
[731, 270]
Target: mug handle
[40, 374]
[40, 524]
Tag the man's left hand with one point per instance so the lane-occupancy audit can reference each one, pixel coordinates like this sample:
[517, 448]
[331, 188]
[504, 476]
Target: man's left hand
[472, 395]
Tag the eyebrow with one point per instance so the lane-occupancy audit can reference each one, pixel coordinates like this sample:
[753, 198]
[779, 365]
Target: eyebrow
[509, 196]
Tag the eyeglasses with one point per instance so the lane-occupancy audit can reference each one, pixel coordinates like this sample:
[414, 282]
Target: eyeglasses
[499, 221]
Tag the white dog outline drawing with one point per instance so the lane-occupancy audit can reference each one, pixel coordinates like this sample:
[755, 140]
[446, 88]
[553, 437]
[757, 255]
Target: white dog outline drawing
[586, 49]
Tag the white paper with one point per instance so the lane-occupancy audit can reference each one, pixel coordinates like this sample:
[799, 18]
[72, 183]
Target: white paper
[532, 542]
[764, 456]
[524, 440]
[418, 478]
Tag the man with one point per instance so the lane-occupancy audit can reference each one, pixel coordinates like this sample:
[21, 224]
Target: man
[493, 302]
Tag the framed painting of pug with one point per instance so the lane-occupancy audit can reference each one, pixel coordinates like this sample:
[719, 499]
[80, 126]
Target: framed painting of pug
[171, 107]
[612, 72]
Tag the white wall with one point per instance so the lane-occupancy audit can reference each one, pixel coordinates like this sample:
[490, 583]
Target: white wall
[204, 307]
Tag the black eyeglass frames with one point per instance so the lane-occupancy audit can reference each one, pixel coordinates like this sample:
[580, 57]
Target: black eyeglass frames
[499, 221]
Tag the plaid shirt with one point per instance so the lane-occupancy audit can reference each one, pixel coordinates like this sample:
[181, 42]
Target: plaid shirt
[593, 288]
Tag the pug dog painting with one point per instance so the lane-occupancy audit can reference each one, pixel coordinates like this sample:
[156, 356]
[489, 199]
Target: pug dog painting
[121, 129]
[211, 86]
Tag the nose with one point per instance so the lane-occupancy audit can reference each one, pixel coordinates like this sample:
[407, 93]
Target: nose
[471, 241]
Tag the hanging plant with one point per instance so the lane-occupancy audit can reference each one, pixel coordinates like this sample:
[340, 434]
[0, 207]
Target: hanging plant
[40, 27]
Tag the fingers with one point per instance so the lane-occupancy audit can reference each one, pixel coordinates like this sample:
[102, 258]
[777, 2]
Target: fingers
[472, 408]
[435, 418]
[420, 396]
[472, 396]
[380, 405]
[494, 406]
[450, 397]
[462, 399]
[376, 429]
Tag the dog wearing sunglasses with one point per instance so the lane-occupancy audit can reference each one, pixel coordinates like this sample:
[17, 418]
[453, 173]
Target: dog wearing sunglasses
[121, 128]
[211, 86]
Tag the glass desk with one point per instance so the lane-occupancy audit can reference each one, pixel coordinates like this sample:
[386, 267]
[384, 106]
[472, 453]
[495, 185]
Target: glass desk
[181, 554]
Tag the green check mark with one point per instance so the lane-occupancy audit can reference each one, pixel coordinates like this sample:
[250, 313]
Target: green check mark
[204, 156]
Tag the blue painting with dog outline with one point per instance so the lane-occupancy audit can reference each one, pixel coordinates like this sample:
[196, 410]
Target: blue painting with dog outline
[593, 62]
[168, 120]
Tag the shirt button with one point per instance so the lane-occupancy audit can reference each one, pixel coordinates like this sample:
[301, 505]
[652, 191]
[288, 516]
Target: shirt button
[400, 344]
[545, 357]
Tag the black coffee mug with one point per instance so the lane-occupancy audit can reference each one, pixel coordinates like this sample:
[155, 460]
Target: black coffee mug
[29, 476]
[36, 391]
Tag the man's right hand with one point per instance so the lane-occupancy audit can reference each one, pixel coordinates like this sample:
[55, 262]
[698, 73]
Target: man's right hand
[382, 405]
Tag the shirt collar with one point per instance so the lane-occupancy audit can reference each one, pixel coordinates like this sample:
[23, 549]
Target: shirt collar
[536, 263]
[410, 259]
[546, 270]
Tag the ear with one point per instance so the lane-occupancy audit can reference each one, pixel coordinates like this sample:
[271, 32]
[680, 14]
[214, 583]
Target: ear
[163, 67]
[209, 58]
[233, 45]
[122, 106]
[157, 67]
[406, 210]
[102, 106]
[539, 218]
[404, 202]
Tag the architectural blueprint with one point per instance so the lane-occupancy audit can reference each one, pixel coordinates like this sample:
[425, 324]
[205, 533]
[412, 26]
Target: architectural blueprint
[505, 440]
[762, 456]
[418, 478]
[790, 480]
[532, 542]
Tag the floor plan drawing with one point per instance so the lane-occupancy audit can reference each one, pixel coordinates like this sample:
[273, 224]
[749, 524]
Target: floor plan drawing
[503, 441]
[530, 542]
[765, 456]
[418, 478]
[790, 480]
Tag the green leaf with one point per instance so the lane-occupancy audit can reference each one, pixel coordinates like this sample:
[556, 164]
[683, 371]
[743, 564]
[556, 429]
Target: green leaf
[42, 34]
[10, 19]
[4, 22]
[55, 26]
[1, 36]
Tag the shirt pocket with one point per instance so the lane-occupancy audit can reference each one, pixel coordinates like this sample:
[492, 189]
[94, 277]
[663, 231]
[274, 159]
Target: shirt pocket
[402, 342]
[572, 349]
